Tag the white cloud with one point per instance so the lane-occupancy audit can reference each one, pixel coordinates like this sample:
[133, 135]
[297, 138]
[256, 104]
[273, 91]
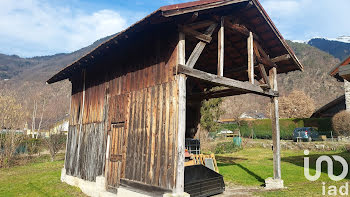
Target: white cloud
[39, 27]
[284, 8]
[304, 19]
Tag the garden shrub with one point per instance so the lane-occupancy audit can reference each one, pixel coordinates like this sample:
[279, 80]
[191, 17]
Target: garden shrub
[341, 123]
[226, 147]
[262, 128]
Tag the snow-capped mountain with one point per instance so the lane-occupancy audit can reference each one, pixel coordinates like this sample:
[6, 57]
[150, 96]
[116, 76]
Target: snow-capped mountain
[338, 47]
[343, 39]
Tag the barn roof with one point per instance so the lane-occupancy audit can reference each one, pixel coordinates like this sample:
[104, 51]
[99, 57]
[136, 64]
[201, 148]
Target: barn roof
[254, 15]
[335, 70]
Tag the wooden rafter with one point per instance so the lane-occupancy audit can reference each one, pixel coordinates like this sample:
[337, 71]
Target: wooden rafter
[240, 29]
[264, 75]
[200, 47]
[262, 70]
[200, 24]
[196, 34]
[265, 59]
[281, 58]
[215, 94]
[245, 87]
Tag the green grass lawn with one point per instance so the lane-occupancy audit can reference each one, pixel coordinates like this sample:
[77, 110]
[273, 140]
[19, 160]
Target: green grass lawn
[251, 167]
[40, 178]
[248, 167]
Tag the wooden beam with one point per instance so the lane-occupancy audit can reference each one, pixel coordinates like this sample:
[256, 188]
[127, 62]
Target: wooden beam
[221, 42]
[226, 82]
[181, 82]
[240, 29]
[250, 47]
[275, 126]
[200, 47]
[265, 59]
[215, 94]
[196, 34]
[200, 24]
[264, 75]
[169, 11]
[281, 58]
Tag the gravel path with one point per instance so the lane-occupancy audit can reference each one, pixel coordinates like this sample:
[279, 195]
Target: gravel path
[237, 190]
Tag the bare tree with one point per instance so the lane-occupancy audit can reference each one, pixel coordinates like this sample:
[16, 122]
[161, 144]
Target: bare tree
[235, 106]
[295, 105]
[11, 114]
[55, 142]
[12, 117]
[41, 118]
[9, 142]
[35, 107]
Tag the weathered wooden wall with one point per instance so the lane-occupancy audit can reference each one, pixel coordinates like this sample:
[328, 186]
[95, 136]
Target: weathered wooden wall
[138, 89]
[86, 144]
[152, 136]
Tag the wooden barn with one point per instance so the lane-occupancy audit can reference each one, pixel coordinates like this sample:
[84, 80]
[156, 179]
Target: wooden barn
[138, 95]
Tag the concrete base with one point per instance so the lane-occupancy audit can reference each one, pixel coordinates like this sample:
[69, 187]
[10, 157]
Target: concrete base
[96, 189]
[184, 194]
[272, 184]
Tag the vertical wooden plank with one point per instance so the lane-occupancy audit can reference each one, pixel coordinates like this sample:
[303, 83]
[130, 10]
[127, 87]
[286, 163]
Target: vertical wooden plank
[175, 129]
[159, 135]
[129, 154]
[171, 157]
[144, 136]
[181, 80]
[128, 82]
[164, 139]
[150, 136]
[221, 42]
[141, 136]
[136, 137]
[154, 130]
[147, 134]
[126, 130]
[156, 142]
[250, 47]
[275, 126]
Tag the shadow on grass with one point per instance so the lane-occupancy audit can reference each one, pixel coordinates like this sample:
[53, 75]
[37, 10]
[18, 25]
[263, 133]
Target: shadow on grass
[232, 161]
[337, 167]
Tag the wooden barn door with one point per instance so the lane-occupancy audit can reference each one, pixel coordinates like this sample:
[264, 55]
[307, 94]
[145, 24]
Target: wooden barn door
[115, 155]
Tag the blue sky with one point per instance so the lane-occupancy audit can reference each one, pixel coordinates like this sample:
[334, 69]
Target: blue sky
[45, 27]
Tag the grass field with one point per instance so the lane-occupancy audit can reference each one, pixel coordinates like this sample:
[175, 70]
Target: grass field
[39, 178]
[250, 167]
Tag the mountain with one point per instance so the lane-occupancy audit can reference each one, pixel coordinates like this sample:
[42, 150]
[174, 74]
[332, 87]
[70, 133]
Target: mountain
[26, 77]
[339, 48]
[314, 80]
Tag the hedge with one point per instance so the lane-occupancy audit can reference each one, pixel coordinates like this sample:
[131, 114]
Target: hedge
[262, 128]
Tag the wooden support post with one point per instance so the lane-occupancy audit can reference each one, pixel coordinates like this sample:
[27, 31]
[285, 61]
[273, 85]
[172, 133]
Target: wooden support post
[180, 176]
[275, 126]
[250, 47]
[221, 40]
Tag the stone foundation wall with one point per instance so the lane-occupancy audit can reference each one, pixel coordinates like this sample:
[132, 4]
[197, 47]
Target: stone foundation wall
[97, 188]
